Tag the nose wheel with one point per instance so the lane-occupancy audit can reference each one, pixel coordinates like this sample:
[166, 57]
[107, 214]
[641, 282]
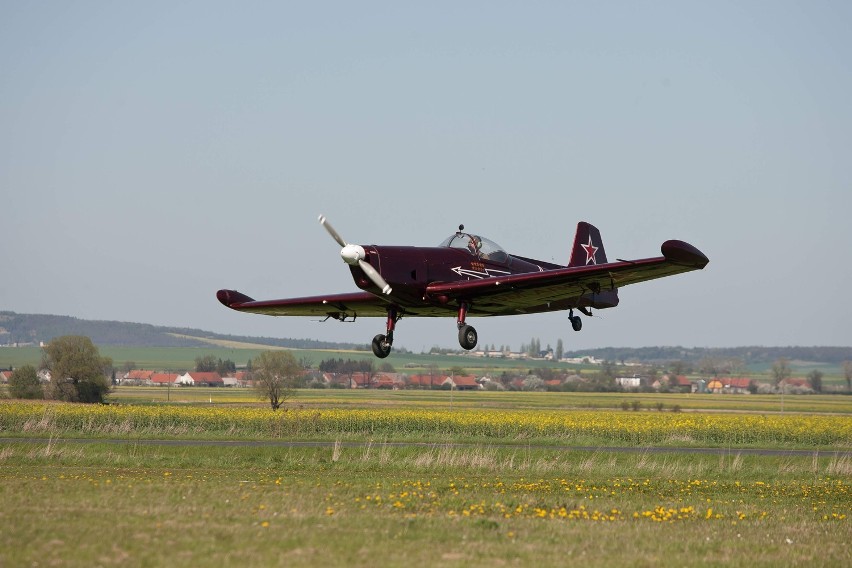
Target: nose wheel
[383, 342]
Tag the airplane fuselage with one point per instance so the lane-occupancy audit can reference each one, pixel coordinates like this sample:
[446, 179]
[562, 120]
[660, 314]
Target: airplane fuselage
[410, 270]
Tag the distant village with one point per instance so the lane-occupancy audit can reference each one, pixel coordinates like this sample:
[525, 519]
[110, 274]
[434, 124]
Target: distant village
[361, 375]
[555, 381]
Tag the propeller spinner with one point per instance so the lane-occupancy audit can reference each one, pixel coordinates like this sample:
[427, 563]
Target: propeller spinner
[355, 254]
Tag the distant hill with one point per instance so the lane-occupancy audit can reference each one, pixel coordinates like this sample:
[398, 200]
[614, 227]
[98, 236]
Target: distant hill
[753, 355]
[33, 328]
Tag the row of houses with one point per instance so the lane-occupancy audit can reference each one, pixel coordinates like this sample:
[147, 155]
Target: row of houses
[396, 381]
[679, 383]
[716, 385]
[546, 355]
[310, 378]
[188, 379]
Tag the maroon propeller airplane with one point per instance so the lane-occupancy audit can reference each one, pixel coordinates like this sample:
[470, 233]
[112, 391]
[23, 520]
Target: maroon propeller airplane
[468, 275]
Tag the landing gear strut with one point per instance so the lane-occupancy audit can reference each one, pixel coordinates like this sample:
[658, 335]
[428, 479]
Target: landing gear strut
[576, 322]
[382, 342]
[467, 334]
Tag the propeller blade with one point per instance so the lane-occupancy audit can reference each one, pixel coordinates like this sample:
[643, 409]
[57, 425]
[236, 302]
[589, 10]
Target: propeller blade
[353, 254]
[373, 274]
[334, 235]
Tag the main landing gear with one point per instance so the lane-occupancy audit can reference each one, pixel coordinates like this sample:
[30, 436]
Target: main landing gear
[383, 342]
[576, 322]
[467, 334]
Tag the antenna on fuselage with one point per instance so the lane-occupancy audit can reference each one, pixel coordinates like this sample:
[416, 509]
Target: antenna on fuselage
[461, 229]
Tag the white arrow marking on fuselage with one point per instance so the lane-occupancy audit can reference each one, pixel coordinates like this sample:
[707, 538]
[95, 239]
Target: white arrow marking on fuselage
[476, 274]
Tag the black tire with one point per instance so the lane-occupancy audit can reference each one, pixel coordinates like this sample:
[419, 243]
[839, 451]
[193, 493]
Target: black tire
[576, 323]
[381, 348]
[467, 337]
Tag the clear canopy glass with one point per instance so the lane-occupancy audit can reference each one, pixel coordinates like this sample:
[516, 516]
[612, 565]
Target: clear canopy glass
[477, 246]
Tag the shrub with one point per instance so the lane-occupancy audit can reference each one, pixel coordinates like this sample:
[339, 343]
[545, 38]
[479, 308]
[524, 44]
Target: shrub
[24, 383]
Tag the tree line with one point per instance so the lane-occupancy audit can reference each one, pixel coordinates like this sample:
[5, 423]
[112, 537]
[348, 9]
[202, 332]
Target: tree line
[78, 373]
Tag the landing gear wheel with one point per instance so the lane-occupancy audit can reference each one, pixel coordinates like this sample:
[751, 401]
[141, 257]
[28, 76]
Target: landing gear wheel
[381, 347]
[576, 323]
[467, 337]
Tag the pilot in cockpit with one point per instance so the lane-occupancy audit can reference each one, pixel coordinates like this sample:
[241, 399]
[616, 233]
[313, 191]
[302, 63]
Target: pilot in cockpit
[474, 244]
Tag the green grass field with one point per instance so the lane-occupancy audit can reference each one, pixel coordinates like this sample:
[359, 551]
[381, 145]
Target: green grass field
[375, 505]
[183, 358]
[514, 493]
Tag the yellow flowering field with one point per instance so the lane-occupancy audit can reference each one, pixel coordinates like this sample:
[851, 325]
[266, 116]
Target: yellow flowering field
[430, 424]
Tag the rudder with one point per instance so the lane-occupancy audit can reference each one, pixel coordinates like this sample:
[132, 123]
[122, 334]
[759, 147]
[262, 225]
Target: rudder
[588, 246]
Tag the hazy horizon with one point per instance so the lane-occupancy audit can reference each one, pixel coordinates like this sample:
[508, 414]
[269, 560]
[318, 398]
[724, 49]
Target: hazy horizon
[514, 348]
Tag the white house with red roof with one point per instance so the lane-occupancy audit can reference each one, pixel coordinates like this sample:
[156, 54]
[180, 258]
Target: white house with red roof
[200, 379]
[462, 382]
[136, 377]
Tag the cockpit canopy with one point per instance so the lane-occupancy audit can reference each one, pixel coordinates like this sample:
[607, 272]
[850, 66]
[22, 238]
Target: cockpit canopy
[477, 246]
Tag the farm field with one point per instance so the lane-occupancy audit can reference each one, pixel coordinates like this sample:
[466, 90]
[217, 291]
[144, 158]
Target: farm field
[392, 478]
[423, 416]
[377, 505]
[319, 398]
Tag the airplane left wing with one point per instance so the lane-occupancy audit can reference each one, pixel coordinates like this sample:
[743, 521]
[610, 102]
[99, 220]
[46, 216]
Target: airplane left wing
[337, 306]
[539, 291]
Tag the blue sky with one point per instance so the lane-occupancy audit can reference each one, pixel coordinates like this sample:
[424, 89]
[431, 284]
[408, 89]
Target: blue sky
[154, 152]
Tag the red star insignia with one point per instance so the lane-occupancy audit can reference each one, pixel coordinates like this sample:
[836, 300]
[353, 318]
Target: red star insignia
[590, 252]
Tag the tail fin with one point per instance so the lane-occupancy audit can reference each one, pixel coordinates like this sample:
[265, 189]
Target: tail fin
[588, 247]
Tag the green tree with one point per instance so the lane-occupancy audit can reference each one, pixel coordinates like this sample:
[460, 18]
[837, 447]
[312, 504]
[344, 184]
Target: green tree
[560, 349]
[275, 375]
[815, 380]
[225, 368]
[205, 364]
[847, 374]
[24, 383]
[780, 371]
[78, 373]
